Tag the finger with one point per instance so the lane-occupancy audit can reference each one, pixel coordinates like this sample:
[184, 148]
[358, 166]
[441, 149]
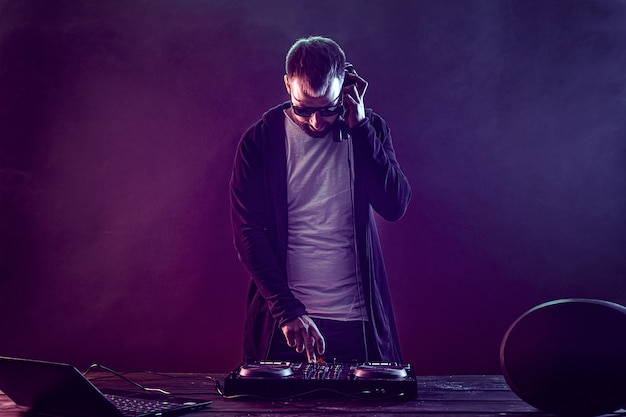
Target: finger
[318, 339]
[310, 350]
[363, 87]
[359, 83]
[350, 101]
[351, 90]
[321, 345]
[289, 337]
[300, 342]
[352, 97]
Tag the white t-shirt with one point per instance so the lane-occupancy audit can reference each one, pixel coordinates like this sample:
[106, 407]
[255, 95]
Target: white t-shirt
[321, 252]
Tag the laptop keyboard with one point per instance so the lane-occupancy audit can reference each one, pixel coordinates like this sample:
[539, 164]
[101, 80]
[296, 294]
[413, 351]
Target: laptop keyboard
[138, 406]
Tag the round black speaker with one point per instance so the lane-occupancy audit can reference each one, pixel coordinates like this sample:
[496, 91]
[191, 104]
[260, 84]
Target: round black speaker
[568, 357]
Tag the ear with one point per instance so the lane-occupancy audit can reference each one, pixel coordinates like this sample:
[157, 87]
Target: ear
[287, 85]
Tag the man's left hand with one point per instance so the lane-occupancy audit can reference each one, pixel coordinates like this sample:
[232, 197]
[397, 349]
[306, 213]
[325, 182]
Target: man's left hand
[353, 100]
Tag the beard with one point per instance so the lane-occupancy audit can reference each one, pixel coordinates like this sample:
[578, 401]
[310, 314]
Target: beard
[315, 133]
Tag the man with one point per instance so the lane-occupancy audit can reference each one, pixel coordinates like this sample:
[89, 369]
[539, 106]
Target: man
[305, 180]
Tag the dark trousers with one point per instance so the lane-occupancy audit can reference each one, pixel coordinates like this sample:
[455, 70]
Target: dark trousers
[346, 341]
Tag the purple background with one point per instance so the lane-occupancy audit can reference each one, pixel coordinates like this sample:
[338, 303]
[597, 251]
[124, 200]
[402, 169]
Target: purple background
[119, 121]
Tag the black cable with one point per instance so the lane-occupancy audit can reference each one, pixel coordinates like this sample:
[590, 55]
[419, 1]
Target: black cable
[130, 381]
[148, 389]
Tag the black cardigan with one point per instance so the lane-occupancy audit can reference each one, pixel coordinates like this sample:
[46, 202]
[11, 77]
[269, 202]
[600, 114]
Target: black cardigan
[258, 192]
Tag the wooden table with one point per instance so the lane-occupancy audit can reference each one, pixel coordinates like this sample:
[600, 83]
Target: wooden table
[457, 395]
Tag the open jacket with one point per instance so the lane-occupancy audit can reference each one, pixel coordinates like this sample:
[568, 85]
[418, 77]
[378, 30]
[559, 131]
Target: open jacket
[258, 192]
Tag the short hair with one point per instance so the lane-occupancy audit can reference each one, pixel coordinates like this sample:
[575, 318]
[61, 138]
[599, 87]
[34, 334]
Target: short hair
[317, 60]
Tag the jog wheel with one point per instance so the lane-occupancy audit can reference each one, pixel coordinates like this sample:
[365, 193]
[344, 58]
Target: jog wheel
[265, 371]
[374, 371]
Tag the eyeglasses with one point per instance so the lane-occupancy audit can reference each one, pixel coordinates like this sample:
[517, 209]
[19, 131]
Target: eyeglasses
[327, 111]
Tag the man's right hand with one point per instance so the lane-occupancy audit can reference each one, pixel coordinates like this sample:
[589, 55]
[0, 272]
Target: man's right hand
[303, 334]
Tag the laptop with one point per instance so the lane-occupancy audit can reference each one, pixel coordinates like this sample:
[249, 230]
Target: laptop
[60, 389]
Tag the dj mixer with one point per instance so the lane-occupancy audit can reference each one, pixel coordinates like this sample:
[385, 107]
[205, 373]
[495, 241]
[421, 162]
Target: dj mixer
[290, 380]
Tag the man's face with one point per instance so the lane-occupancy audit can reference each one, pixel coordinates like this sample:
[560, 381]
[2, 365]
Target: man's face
[302, 96]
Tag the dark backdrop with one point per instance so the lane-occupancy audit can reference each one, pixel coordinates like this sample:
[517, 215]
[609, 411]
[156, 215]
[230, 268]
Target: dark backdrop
[119, 122]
